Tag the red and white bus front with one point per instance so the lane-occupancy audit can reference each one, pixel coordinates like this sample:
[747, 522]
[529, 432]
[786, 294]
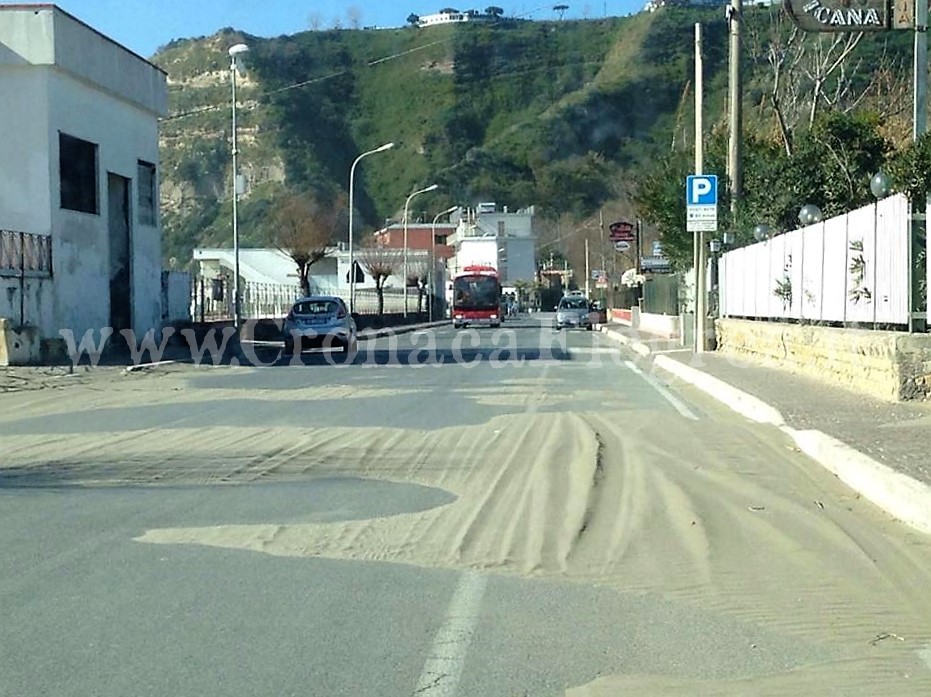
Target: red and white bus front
[476, 298]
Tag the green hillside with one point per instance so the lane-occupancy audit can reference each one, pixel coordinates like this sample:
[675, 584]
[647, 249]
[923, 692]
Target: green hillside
[566, 116]
[544, 113]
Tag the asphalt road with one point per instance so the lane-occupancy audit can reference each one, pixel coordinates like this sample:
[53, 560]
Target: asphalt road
[486, 513]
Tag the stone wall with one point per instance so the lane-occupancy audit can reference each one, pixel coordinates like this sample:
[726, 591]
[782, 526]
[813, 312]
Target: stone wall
[888, 365]
[18, 345]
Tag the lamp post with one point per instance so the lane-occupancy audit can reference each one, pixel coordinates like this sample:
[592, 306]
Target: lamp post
[407, 204]
[880, 185]
[809, 214]
[762, 232]
[235, 67]
[433, 258]
[352, 270]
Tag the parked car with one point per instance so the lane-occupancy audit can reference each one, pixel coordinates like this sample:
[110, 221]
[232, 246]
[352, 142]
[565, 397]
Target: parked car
[574, 311]
[319, 321]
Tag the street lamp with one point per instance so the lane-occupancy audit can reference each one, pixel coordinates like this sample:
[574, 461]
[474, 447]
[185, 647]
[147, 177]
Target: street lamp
[762, 232]
[352, 270]
[236, 67]
[809, 214]
[407, 204]
[880, 185]
[433, 257]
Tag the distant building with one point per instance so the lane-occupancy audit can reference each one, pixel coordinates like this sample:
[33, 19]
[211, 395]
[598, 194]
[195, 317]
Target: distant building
[451, 16]
[654, 5]
[80, 235]
[515, 244]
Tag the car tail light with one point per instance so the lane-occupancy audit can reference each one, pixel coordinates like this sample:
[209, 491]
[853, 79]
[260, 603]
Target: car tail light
[494, 316]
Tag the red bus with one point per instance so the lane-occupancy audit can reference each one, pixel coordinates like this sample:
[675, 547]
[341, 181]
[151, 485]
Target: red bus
[476, 297]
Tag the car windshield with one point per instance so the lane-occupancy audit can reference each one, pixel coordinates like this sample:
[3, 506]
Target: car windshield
[573, 304]
[315, 307]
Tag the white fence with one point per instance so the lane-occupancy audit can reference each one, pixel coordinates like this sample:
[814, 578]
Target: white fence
[212, 299]
[852, 268]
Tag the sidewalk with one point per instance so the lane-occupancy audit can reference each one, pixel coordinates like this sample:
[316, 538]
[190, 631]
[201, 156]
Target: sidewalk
[892, 435]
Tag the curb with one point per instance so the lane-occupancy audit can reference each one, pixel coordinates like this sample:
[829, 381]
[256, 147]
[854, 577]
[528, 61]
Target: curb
[636, 346]
[899, 495]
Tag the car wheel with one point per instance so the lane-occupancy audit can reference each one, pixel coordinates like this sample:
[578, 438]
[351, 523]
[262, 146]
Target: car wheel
[289, 347]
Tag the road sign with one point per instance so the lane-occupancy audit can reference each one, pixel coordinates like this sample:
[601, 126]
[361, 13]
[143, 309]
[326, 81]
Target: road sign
[701, 190]
[597, 273]
[701, 203]
[621, 245]
[621, 230]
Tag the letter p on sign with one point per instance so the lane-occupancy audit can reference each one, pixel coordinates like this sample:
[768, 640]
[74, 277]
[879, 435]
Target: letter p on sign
[702, 190]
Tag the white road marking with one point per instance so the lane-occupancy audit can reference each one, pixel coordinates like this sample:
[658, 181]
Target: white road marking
[441, 673]
[667, 395]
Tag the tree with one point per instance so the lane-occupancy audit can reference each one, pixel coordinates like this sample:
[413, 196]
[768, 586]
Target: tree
[354, 17]
[494, 11]
[810, 73]
[418, 275]
[560, 9]
[413, 19]
[314, 21]
[380, 263]
[303, 228]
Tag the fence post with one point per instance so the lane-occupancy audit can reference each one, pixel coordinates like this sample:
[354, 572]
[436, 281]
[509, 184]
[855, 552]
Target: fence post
[22, 279]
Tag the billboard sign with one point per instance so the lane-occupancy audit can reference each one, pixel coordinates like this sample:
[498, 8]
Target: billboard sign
[840, 15]
[622, 231]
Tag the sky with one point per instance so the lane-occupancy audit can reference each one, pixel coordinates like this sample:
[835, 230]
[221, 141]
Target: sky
[144, 25]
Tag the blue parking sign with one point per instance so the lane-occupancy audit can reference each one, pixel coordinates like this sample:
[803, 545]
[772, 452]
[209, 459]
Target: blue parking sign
[701, 190]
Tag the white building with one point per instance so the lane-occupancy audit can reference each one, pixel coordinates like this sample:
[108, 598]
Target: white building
[514, 249]
[81, 238]
[453, 17]
[270, 282]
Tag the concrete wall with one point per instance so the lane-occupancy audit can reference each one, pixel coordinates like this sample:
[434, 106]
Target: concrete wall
[887, 365]
[25, 203]
[177, 292]
[36, 310]
[124, 134]
[18, 345]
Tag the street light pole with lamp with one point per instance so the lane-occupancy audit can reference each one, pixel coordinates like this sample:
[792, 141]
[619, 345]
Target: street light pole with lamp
[407, 204]
[352, 270]
[433, 258]
[235, 67]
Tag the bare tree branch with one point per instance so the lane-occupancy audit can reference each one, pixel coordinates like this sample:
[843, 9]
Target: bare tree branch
[303, 229]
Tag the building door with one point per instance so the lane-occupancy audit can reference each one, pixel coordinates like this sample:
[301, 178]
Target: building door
[121, 303]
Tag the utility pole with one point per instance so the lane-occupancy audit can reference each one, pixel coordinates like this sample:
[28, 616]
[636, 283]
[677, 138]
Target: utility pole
[918, 323]
[588, 272]
[698, 238]
[734, 173]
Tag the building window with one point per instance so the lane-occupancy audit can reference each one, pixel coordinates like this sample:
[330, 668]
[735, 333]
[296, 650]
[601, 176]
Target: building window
[77, 163]
[146, 199]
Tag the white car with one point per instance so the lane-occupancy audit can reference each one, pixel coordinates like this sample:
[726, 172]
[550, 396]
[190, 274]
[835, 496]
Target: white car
[319, 321]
